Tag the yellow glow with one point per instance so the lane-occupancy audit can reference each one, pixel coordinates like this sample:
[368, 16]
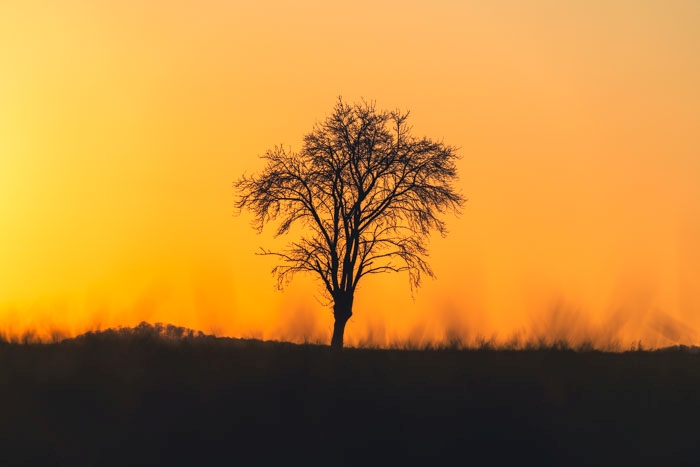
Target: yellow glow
[123, 125]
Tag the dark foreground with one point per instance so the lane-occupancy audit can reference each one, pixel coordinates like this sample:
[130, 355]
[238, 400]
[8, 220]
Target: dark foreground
[132, 398]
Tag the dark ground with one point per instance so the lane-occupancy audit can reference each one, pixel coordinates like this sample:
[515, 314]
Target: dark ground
[131, 397]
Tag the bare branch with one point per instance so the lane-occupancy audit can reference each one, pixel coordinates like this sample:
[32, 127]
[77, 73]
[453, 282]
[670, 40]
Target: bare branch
[366, 192]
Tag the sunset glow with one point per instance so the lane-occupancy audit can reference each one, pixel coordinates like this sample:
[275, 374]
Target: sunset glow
[124, 124]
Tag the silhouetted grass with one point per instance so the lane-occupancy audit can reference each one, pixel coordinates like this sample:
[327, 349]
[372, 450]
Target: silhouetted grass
[163, 395]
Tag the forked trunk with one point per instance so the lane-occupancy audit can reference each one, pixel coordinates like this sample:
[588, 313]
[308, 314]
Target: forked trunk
[342, 311]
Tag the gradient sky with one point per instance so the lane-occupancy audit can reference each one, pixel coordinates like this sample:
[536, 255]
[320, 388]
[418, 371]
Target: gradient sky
[124, 124]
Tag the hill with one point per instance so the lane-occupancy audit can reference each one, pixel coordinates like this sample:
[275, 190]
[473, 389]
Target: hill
[163, 395]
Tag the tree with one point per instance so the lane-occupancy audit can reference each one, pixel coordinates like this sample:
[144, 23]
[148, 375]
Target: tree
[367, 194]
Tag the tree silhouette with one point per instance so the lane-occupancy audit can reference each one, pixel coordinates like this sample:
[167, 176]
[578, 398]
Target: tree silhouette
[367, 194]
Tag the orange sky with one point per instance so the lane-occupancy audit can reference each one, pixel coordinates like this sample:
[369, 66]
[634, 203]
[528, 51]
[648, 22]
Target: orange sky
[124, 124]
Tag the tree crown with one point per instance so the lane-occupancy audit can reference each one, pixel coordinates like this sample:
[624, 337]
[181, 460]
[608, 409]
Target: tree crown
[366, 191]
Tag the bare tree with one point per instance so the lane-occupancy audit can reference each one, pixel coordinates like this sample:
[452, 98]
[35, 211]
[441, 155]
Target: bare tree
[367, 193]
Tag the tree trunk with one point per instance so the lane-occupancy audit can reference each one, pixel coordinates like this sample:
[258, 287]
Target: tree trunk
[342, 311]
